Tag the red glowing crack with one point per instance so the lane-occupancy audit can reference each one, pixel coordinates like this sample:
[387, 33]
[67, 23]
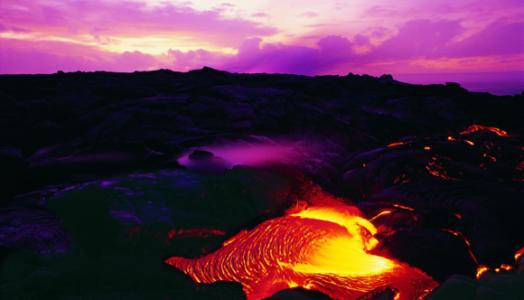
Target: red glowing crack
[477, 127]
[318, 248]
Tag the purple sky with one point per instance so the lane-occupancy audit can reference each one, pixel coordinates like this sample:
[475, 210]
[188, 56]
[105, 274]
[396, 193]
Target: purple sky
[478, 43]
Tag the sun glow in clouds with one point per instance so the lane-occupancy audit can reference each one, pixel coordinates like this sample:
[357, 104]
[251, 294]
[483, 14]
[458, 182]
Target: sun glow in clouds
[405, 39]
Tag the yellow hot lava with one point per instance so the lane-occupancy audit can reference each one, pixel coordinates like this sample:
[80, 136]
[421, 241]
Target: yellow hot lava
[332, 256]
[323, 248]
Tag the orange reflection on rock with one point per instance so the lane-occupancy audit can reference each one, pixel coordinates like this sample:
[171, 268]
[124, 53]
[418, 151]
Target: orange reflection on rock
[194, 232]
[323, 248]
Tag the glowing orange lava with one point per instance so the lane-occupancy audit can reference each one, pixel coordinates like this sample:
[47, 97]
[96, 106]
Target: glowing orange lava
[476, 127]
[323, 248]
[519, 254]
[397, 144]
[435, 168]
[490, 157]
[461, 236]
[469, 142]
[481, 270]
[404, 207]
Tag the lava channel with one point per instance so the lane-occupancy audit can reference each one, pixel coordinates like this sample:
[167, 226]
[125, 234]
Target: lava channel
[316, 248]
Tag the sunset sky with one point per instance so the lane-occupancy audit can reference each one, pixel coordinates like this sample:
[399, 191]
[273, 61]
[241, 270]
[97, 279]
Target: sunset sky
[415, 40]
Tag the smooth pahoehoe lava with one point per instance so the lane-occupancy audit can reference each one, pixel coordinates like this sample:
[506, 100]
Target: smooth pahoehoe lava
[323, 248]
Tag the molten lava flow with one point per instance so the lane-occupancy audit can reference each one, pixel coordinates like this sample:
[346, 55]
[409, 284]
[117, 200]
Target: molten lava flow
[322, 248]
[461, 236]
[435, 168]
[471, 143]
[397, 144]
[519, 254]
[404, 207]
[481, 270]
[476, 127]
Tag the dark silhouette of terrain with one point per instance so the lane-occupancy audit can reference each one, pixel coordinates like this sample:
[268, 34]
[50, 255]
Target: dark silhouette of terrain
[61, 133]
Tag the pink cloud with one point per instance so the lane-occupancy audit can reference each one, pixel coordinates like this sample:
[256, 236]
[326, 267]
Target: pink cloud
[418, 38]
[22, 57]
[69, 18]
[441, 39]
[252, 57]
[189, 60]
[419, 44]
[279, 58]
[498, 38]
[477, 10]
[260, 14]
[309, 14]
[18, 56]
[380, 11]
